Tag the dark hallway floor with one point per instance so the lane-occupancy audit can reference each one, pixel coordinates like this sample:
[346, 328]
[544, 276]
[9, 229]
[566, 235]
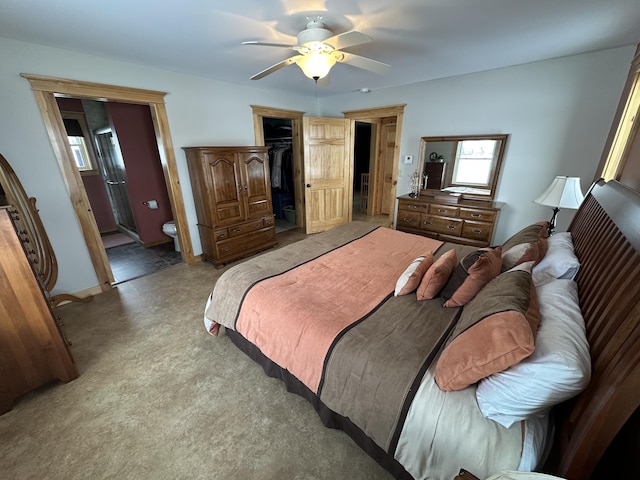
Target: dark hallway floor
[133, 260]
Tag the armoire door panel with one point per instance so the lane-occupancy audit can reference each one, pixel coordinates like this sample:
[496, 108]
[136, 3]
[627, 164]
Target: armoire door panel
[256, 186]
[226, 194]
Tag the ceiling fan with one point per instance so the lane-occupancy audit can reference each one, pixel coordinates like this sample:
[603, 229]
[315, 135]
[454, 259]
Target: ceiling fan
[319, 50]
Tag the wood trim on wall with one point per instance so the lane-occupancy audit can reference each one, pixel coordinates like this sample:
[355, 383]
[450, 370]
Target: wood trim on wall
[44, 89]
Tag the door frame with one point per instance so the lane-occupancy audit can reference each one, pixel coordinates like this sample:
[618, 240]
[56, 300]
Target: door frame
[375, 115]
[45, 88]
[259, 113]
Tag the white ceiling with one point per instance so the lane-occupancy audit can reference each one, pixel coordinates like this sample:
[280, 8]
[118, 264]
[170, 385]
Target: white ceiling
[420, 39]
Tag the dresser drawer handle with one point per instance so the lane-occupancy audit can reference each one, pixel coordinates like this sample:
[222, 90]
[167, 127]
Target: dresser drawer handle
[222, 235]
[413, 206]
[237, 230]
[407, 220]
[476, 230]
[225, 249]
[442, 210]
[476, 215]
[451, 227]
[427, 222]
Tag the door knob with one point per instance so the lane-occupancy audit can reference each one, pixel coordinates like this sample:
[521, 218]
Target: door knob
[308, 185]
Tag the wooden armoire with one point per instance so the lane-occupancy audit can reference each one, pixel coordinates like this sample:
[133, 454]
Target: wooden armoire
[232, 195]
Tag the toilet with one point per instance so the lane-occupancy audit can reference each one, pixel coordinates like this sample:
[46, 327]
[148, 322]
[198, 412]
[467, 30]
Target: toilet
[169, 228]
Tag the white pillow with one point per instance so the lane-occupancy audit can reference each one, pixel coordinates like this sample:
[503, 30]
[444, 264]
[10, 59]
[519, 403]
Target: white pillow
[560, 261]
[409, 280]
[558, 369]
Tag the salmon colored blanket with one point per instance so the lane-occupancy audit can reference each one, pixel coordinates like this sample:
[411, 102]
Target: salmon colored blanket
[295, 317]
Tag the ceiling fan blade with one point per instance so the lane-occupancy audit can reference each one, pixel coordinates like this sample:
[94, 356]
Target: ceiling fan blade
[267, 44]
[364, 62]
[276, 67]
[347, 39]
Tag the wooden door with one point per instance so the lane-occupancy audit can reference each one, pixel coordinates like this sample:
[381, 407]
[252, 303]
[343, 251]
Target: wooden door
[255, 182]
[225, 187]
[387, 153]
[328, 172]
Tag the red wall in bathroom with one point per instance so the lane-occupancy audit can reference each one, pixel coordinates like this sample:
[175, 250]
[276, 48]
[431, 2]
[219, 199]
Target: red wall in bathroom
[133, 128]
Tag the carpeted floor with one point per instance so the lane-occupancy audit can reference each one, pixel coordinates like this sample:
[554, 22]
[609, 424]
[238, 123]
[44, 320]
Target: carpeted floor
[159, 398]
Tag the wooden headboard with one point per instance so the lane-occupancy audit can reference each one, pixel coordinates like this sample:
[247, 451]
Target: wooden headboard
[606, 236]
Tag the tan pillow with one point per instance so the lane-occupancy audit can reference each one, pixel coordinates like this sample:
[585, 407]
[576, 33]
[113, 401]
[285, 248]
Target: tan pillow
[410, 278]
[496, 330]
[437, 276]
[528, 244]
[472, 273]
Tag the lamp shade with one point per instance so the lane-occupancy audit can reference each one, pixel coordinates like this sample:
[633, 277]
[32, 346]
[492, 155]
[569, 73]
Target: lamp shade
[316, 64]
[564, 192]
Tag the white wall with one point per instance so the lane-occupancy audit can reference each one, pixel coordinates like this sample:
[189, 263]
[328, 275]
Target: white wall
[558, 114]
[200, 111]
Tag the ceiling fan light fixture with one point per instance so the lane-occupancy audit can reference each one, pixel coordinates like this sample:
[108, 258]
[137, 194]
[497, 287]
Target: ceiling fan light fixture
[316, 64]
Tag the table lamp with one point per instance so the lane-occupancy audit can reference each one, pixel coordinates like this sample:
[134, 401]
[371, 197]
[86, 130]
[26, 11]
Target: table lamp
[564, 192]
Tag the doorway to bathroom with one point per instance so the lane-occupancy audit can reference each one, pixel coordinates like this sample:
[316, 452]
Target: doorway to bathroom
[117, 156]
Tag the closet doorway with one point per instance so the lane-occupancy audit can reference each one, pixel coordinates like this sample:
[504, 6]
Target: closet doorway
[278, 135]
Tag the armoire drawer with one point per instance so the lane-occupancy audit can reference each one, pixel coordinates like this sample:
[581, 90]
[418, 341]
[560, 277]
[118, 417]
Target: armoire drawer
[247, 227]
[238, 246]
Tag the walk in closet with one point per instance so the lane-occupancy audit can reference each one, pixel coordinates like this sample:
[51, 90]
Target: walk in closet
[278, 137]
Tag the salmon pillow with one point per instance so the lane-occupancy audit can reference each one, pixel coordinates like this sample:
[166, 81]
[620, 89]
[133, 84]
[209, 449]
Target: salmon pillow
[496, 330]
[528, 244]
[471, 274]
[437, 276]
[410, 278]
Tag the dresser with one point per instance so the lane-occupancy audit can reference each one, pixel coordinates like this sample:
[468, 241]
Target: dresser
[232, 195]
[470, 222]
[33, 351]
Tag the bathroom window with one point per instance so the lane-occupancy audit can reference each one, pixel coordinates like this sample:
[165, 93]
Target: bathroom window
[78, 137]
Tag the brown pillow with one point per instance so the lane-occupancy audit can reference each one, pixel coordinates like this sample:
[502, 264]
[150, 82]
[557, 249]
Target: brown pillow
[528, 244]
[496, 330]
[472, 273]
[437, 276]
[410, 278]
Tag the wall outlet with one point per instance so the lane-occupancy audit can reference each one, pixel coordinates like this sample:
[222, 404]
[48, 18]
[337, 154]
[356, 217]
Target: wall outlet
[408, 159]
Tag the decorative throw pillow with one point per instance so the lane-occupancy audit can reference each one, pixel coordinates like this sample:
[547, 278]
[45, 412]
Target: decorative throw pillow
[528, 244]
[471, 274]
[497, 329]
[558, 369]
[410, 278]
[560, 260]
[437, 276]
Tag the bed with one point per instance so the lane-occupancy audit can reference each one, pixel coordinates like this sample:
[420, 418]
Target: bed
[423, 351]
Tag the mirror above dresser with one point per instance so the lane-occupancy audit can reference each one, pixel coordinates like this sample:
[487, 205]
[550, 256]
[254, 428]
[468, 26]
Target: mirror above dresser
[468, 165]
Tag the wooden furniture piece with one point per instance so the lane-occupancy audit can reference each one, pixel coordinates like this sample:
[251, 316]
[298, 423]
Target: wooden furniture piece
[232, 194]
[27, 220]
[469, 222]
[33, 351]
[434, 172]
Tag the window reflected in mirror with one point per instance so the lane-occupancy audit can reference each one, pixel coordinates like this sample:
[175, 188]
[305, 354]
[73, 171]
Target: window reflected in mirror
[466, 164]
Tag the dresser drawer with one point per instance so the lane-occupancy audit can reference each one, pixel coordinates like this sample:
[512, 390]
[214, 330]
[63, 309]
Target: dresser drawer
[479, 215]
[444, 210]
[411, 206]
[247, 227]
[477, 230]
[408, 219]
[450, 226]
